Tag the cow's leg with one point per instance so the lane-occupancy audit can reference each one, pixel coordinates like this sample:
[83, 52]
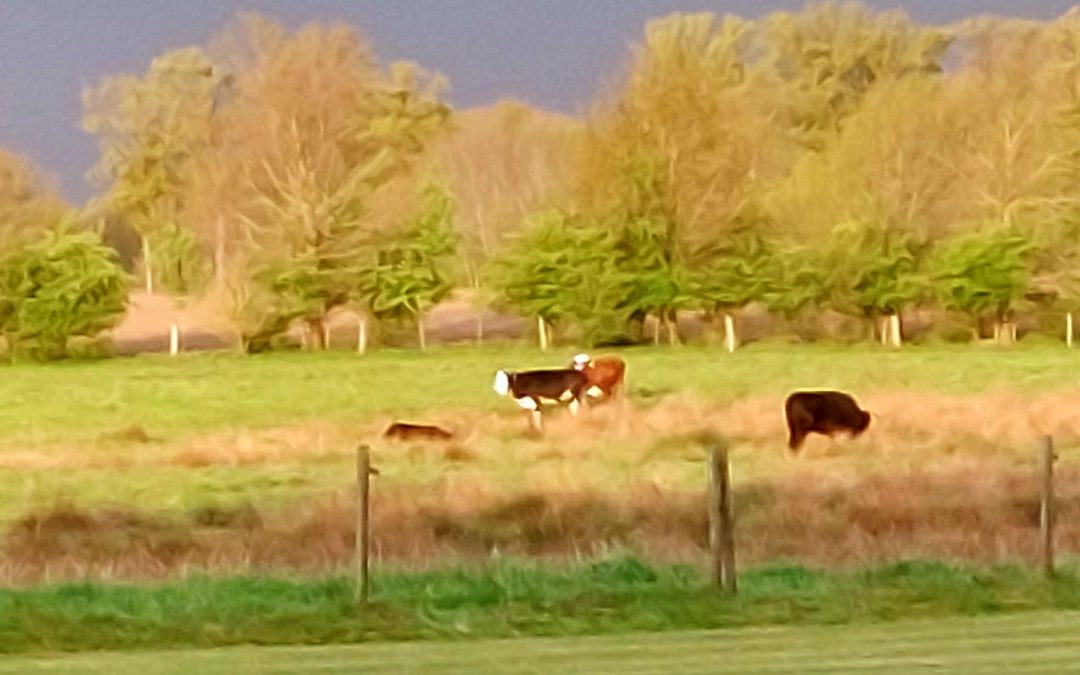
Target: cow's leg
[536, 421]
[574, 407]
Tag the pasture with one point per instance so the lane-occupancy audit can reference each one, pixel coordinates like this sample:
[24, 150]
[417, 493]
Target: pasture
[150, 466]
[1031, 642]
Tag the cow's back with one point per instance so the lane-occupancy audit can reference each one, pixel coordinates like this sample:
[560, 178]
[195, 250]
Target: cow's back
[551, 384]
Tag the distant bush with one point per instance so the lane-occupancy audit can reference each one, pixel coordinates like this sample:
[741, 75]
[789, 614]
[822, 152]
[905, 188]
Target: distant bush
[60, 287]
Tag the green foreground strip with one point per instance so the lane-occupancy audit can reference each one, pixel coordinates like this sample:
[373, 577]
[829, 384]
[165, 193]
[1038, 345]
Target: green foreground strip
[1045, 642]
[508, 599]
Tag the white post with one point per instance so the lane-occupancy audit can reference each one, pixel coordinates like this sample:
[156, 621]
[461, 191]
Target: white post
[731, 341]
[1069, 329]
[542, 332]
[895, 339]
[174, 339]
[361, 335]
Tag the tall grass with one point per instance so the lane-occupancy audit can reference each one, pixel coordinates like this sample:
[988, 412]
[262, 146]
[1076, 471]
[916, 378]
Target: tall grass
[506, 599]
[106, 467]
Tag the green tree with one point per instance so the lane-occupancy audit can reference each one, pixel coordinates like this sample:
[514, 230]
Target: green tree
[734, 276]
[657, 281]
[984, 272]
[563, 267]
[413, 272]
[66, 285]
[874, 273]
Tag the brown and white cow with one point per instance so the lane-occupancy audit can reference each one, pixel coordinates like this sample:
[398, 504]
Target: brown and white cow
[822, 412]
[534, 388]
[605, 375]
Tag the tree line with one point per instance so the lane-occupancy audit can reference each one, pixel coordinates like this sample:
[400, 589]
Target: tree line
[833, 158]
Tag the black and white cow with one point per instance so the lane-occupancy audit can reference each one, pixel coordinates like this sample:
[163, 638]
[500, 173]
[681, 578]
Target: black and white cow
[534, 388]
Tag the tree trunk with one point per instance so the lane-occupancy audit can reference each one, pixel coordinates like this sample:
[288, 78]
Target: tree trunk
[541, 332]
[673, 328]
[174, 339]
[1069, 329]
[317, 331]
[420, 332]
[1004, 332]
[656, 332]
[895, 335]
[147, 271]
[219, 252]
[361, 335]
[731, 339]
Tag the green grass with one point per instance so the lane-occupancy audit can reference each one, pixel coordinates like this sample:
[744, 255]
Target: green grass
[504, 600]
[1031, 642]
[74, 402]
[60, 412]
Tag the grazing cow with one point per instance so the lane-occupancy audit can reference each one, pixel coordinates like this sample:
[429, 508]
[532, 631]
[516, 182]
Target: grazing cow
[405, 431]
[823, 412]
[605, 374]
[532, 388]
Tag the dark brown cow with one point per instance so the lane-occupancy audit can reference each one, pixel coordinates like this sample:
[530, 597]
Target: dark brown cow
[823, 412]
[405, 431]
[533, 388]
[605, 375]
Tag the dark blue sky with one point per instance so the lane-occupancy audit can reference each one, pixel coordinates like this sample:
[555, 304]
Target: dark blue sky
[554, 54]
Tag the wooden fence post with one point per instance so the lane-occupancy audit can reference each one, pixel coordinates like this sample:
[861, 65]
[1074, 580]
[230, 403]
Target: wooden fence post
[1047, 510]
[721, 518]
[363, 526]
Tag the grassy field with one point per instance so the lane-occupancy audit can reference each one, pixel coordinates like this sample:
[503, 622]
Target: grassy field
[1031, 642]
[150, 466]
[507, 599]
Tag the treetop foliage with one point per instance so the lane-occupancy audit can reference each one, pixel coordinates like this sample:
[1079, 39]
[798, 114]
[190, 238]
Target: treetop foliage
[832, 157]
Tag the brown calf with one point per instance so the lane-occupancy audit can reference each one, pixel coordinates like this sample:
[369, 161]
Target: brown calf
[604, 375]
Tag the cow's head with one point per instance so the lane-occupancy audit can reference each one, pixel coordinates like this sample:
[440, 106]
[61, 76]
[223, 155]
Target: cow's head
[581, 361]
[502, 383]
[864, 420]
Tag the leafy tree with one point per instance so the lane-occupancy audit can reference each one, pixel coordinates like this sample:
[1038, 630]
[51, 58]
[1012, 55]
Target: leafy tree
[502, 163]
[179, 260]
[28, 205]
[797, 277]
[831, 54]
[733, 277]
[149, 130]
[874, 274]
[983, 272]
[413, 272]
[66, 285]
[657, 281]
[300, 164]
[563, 267]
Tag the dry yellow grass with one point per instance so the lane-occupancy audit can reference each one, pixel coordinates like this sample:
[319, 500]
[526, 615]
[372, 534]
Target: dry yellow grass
[937, 475]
